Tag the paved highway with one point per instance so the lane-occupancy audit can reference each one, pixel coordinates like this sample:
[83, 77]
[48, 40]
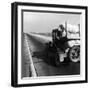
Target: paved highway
[34, 45]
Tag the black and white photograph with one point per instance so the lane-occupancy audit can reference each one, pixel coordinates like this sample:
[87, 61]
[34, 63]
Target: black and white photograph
[51, 41]
[50, 44]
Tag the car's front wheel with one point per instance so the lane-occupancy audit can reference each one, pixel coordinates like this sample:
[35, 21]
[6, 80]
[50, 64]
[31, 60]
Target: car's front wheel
[74, 54]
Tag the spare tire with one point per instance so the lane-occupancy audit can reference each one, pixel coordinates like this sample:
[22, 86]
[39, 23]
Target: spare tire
[74, 53]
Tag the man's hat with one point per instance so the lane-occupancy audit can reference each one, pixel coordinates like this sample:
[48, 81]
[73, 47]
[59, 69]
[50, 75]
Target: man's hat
[61, 26]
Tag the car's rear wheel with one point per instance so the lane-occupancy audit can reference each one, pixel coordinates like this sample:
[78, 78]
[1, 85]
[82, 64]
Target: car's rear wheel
[74, 54]
[57, 61]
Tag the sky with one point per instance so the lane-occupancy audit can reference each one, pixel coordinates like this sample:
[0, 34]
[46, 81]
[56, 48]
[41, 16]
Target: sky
[45, 22]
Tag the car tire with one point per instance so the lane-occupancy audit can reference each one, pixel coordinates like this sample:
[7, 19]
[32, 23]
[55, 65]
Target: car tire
[57, 61]
[74, 54]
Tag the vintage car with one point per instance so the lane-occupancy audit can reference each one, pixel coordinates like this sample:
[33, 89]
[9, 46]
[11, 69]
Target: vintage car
[64, 50]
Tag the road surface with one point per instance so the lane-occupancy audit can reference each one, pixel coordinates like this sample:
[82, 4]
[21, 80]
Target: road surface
[34, 45]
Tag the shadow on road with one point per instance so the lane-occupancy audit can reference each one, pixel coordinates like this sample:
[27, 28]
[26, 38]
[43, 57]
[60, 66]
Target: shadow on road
[42, 55]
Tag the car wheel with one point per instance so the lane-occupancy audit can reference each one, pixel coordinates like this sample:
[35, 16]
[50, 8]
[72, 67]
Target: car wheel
[74, 54]
[57, 61]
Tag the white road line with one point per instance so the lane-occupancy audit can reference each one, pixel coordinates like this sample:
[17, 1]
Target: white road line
[33, 72]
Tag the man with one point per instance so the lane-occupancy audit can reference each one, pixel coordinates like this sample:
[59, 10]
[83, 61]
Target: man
[59, 33]
[62, 31]
[59, 37]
